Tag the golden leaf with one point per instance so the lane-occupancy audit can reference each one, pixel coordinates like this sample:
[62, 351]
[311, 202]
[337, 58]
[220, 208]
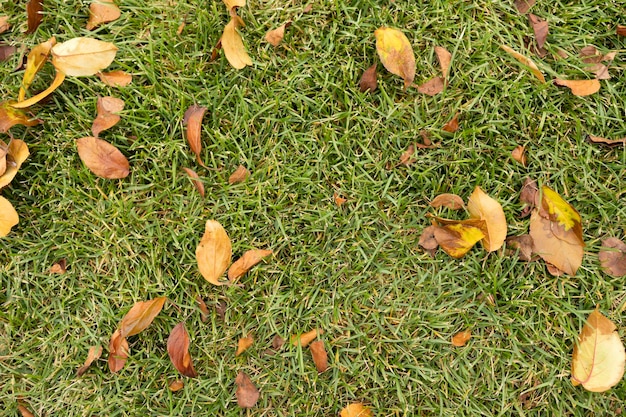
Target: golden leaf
[305, 339]
[356, 410]
[214, 252]
[10, 116]
[525, 61]
[233, 46]
[457, 238]
[102, 158]
[58, 80]
[8, 216]
[396, 53]
[483, 207]
[461, 338]
[16, 155]
[243, 344]
[82, 56]
[36, 58]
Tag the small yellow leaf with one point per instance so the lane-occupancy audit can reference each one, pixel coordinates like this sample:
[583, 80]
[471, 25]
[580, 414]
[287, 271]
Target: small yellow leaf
[16, 155]
[36, 58]
[214, 252]
[456, 239]
[396, 53]
[8, 216]
[82, 56]
[233, 46]
[356, 410]
[580, 87]
[599, 356]
[525, 61]
[483, 207]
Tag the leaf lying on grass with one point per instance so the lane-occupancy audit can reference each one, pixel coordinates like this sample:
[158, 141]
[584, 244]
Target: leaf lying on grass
[608, 142]
[8, 216]
[356, 410]
[102, 158]
[485, 208]
[305, 339]
[247, 393]
[213, 253]
[107, 117]
[178, 351]
[451, 201]
[82, 56]
[93, 354]
[461, 338]
[233, 46]
[613, 257]
[246, 262]
[580, 87]
[115, 78]
[320, 357]
[102, 11]
[243, 344]
[396, 53]
[16, 154]
[140, 316]
[368, 80]
[525, 61]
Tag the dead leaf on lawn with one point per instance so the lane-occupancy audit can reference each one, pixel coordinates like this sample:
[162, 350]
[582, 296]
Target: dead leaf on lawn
[213, 253]
[243, 344]
[193, 120]
[220, 309]
[432, 87]
[485, 208]
[461, 338]
[107, 108]
[115, 78]
[368, 81]
[519, 154]
[59, 267]
[428, 241]
[275, 36]
[426, 142]
[612, 257]
[580, 87]
[320, 357]
[540, 27]
[277, 342]
[529, 196]
[247, 393]
[523, 6]
[204, 310]
[339, 199]
[239, 175]
[34, 62]
[59, 77]
[94, 353]
[406, 158]
[356, 410]
[523, 244]
[34, 10]
[176, 385]
[608, 142]
[178, 351]
[24, 411]
[246, 262]
[82, 56]
[453, 125]
[231, 4]
[4, 24]
[8, 216]
[140, 316]
[118, 351]
[102, 158]
[305, 339]
[525, 61]
[444, 58]
[233, 46]
[620, 30]
[16, 154]
[102, 11]
[456, 238]
[396, 53]
[6, 51]
[196, 180]
[451, 201]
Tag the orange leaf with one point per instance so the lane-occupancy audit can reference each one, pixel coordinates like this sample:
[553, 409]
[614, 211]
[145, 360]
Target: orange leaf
[4, 24]
[609, 142]
[102, 158]
[320, 357]
[240, 175]
[275, 36]
[204, 310]
[461, 338]
[34, 10]
[483, 207]
[25, 412]
[176, 385]
[451, 201]
[305, 339]
[196, 180]
[59, 267]
[432, 87]
[233, 46]
[580, 87]
[246, 262]
[102, 11]
[94, 353]
[140, 316]
[519, 154]
[118, 351]
[525, 61]
[247, 393]
[213, 253]
[620, 30]
[115, 78]
[453, 125]
[406, 158]
[107, 108]
[356, 410]
[338, 199]
[178, 350]
[16, 155]
[396, 53]
[243, 344]
[8, 216]
[193, 120]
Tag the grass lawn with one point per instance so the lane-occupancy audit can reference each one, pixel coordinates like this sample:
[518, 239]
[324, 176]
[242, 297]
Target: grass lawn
[298, 122]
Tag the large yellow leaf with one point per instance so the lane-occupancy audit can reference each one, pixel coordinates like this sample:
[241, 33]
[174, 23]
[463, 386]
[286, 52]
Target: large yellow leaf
[8, 216]
[233, 46]
[214, 253]
[483, 207]
[16, 155]
[599, 356]
[82, 56]
[36, 58]
[396, 53]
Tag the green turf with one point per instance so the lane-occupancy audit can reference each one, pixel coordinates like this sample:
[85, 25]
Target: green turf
[297, 121]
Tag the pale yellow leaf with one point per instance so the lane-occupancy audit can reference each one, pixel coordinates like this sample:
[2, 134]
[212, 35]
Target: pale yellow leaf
[8, 216]
[213, 253]
[36, 58]
[396, 53]
[82, 56]
[525, 61]
[16, 155]
[483, 207]
[233, 46]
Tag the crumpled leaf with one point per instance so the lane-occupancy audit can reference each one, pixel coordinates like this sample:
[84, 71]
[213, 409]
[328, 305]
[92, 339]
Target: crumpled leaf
[17, 153]
[243, 344]
[483, 207]
[396, 53]
[8, 216]
[246, 262]
[275, 36]
[529, 196]
[305, 339]
[59, 267]
[193, 121]
[320, 357]
[233, 46]
[523, 244]
[34, 9]
[196, 180]
[118, 351]
[620, 30]
[178, 351]
[612, 257]
[368, 80]
[82, 56]
[339, 199]
[519, 154]
[93, 354]
[451, 201]
[458, 237]
[239, 175]
[34, 62]
[432, 87]
[247, 393]
[428, 241]
[461, 338]
[540, 27]
[599, 357]
[213, 253]
[140, 316]
[115, 78]
[605, 141]
[102, 11]
[59, 77]
[356, 410]
[102, 158]
[580, 87]
[525, 61]
[107, 108]
[6, 51]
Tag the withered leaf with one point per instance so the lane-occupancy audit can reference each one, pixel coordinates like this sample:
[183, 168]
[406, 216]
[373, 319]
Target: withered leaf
[426, 142]
[320, 357]
[529, 196]
[24, 411]
[107, 117]
[432, 87]
[214, 252]
[115, 78]
[620, 30]
[4, 24]
[406, 158]
[239, 175]
[519, 154]
[118, 351]
[34, 9]
[176, 385]
[6, 51]
[59, 267]
[482, 206]
[10, 117]
[102, 11]
[612, 257]
[277, 342]
[456, 238]
[193, 121]
[305, 339]
[94, 353]
[356, 410]
[140, 316]
[451, 201]
[428, 241]
[196, 180]
[524, 244]
[233, 46]
[608, 142]
[178, 351]
[339, 199]
[17, 153]
[82, 56]
[461, 338]
[243, 344]
[102, 158]
[368, 81]
[204, 310]
[523, 6]
[396, 53]
[540, 27]
[220, 309]
[444, 58]
[59, 77]
[8, 216]
[246, 262]
[525, 61]
[247, 393]
[231, 4]
[275, 36]
[580, 87]
[453, 125]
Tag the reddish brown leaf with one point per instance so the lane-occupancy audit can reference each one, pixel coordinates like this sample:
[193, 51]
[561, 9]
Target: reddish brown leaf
[94, 353]
[193, 121]
[406, 158]
[25, 412]
[118, 351]
[453, 125]
[540, 27]
[247, 393]
[196, 180]
[524, 244]
[461, 338]
[243, 344]
[529, 196]
[178, 350]
[240, 175]
[621, 30]
[6, 51]
[34, 9]
[140, 316]
[102, 158]
[204, 310]
[246, 262]
[339, 199]
[580, 87]
[426, 142]
[220, 309]
[176, 385]
[608, 142]
[277, 342]
[519, 154]
[590, 55]
[115, 78]
[444, 58]
[107, 107]
[275, 36]
[523, 6]
[305, 339]
[451, 201]
[59, 267]
[368, 81]
[613, 257]
[320, 357]
[428, 241]
[432, 87]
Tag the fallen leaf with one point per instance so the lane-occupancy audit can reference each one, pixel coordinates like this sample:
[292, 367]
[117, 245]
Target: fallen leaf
[115, 78]
[451, 201]
[453, 125]
[204, 310]
[612, 257]
[180, 29]
[368, 81]
[239, 175]
[233, 46]
[601, 71]
[34, 62]
[4, 24]
[525, 61]
[432, 87]
[246, 262]
[277, 342]
[17, 153]
[427, 143]
[320, 357]
[59, 267]
[305, 339]
[540, 27]
[461, 338]
[599, 356]
[356, 410]
[118, 352]
[519, 154]
[93, 354]
[102, 158]
[529, 196]
[214, 252]
[485, 208]
[82, 56]
[339, 199]
[523, 6]
[196, 180]
[444, 58]
[59, 77]
[193, 121]
[34, 10]
[396, 53]
[553, 270]
[107, 117]
[25, 412]
[6, 51]
[243, 344]
[230, 4]
[590, 55]
[176, 385]
[140, 316]
[580, 87]
[8, 216]
[178, 351]
[406, 158]
[428, 241]
[523, 245]
[609, 142]
[247, 394]
[275, 36]
[307, 8]
[457, 238]
[620, 30]
[102, 11]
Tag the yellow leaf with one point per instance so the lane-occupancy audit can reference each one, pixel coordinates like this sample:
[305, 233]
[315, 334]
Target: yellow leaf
[36, 58]
[580, 87]
[214, 252]
[233, 46]
[483, 207]
[8, 216]
[356, 410]
[525, 61]
[16, 155]
[457, 238]
[58, 80]
[599, 356]
[234, 3]
[82, 56]
[560, 210]
[396, 53]
[10, 116]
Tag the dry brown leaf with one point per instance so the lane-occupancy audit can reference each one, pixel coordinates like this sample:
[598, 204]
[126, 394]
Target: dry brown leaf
[275, 36]
[307, 8]
[590, 55]
[246, 262]
[444, 58]
[17, 153]
[427, 143]
[102, 158]
[523, 244]
[8, 216]
[553, 270]
[526, 62]
[140, 316]
[523, 6]
[94, 353]
[107, 108]
[220, 309]
[115, 78]
[604, 141]
[612, 257]
[519, 154]
[4, 24]
[540, 27]
[233, 46]
[580, 87]
[118, 351]
[196, 180]
[453, 125]
[239, 175]
[34, 10]
[620, 30]
[368, 81]
[485, 208]
[356, 410]
[456, 238]
[529, 196]
[82, 56]
[102, 11]
[320, 357]
[428, 241]
[305, 339]
[432, 87]
[461, 338]
[451, 201]
[406, 158]
[181, 27]
[204, 310]
[193, 121]
[339, 199]
[178, 351]
[396, 53]
[25, 412]
[243, 344]
[247, 393]
[59, 267]
[6, 51]
[176, 385]
[213, 253]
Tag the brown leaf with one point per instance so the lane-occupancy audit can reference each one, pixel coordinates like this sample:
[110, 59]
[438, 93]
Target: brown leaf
[181, 27]
[526, 62]
[239, 175]
[6, 51]
[246, 262]
[612, 257]
[432, 87]
[118, 351]
[94, 353]
[102, 158]
[482, 206]
[339, 199]
[608, 142]
[59, 267]
[406, 158]
[233, 46]
[427, 143]
[620, 30]
[453, 125]
[25, 412]
[580, 87]
[540, 27]
[193, 121]
[10, 117]
[204, 310]
[4, 24]
[277, 342]
[553, 270]
[307, 8]
[320, 357]
[176, 385]
[601, 71]
[523, 6]
[220, 309]
[8, 216]
[356, 410]
[247, 394]
[196, 180]
[451, 201]
[461, 338]
[456, 238]
[524, 244]
[368, 81]
[396, 53]
[243, 344]
[140, 316]
[444, 58]
[115, 78]
[178, 351]
[213, 253]
[275, 36]
[34, 9]
[231, 4]
[102, 11]
[107, 117]
[519, 154]
[305, 339]
[590, 55]
[529, 196]
[428, 241]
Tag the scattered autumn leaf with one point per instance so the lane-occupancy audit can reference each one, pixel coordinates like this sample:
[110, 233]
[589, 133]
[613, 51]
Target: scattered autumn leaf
[239, 175]
[193, 121]
[178, 351]
[426, 142]
[231, 4]
[214, 252]
[82, 56]
[25, 412]
[612, 257]
[339, 199]
[540, 27]
[275, 36]
[196, 180]
[320, 357]
[115, 78]
[356, 410]
[233, 46]
[580, 87]
[220, 309]
[277, 342]
[519, 154]
[485, 208]
[599, 356]
[523, 6]
[16, 154]
[246, 262]
[140, 316]
[428, 241]
[102, 158]
[93, 354]
[107, 117]
[305, 339]
[8, 216]
[451, 201]
[525, 61]
[529, 196]
[102, 11]
[34, 10]
[396, 53]
[4, 24]
[432, 87]
[118, 351]
[181, 27]
[243, 344]
[247, 393]
[461, 338]
[10, 116]
[620, 30]
[406, 158]
[34, 62]
[176, 385]
[59, 267]
[444, 58]
[523, 244]
[59, 77]
[608, 142]
[453, 125]
[204, 310]
[368, 81]
[6, 51]
[457, 238]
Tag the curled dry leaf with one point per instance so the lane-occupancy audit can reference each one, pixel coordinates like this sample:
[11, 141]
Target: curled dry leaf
[59, 267]
[115, 78]
[451, 201]
[34, 10]
[178, 351]
[453, 125]
[432, 87]
[540, 27]
[428, 241]
[247, 393]
[16, 154]
[233, 46]
[102, 158]
[10, 116]
[613, 257]
[102, 11]
[523, 6]
[214, 252]
[275, 36]
[356, 410]
[444, 58]
[8, 216]
[196, 180]
[396, 53]
[608, 142]
[107, 117]
[277, 342]
[239, 175]
[523, 244]
[243, 344]
[34, 62]
[485, 208]
[305, 339]
[580, 87]
[230, 4]
[94, 353]
[246, 262]
[193, 121]
[339, 199]
[368, 81]
[176, 385]
[519, 154]
[118, 351]
[526, 62]
[320, 357]
[599, 357]
[426, 142]
[461, 338]
[58, 80]
[204, 310]
[82, 56]
[140, 316]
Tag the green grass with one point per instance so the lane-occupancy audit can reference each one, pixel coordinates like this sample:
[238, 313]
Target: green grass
[298, 122]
